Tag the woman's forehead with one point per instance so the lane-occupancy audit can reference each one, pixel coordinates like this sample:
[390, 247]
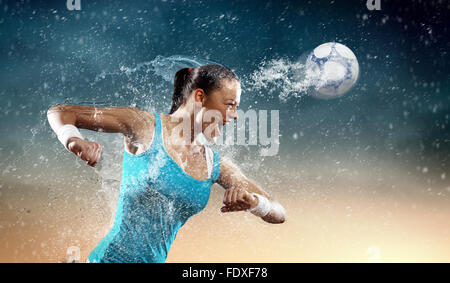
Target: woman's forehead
[231, 90]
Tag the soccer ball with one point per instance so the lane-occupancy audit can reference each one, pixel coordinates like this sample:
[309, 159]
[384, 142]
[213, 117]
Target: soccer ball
[331, 69]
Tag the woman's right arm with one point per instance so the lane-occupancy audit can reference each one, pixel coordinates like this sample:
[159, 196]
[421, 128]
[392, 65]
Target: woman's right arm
[125, 120]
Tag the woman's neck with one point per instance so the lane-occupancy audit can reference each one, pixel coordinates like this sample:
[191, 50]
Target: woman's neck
[177, 125]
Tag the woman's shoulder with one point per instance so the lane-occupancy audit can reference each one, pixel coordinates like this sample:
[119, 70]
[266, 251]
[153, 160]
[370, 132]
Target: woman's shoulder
[146, 113]
[143, 124]
[148, 117]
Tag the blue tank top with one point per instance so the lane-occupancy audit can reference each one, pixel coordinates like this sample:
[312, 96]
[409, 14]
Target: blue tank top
[156, 198]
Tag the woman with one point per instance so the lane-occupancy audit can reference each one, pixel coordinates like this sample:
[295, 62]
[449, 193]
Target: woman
[167, 174]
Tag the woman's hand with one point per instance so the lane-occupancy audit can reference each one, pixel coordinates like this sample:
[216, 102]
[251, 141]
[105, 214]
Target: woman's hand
[238, 199]
[86, 150]
[239, 193]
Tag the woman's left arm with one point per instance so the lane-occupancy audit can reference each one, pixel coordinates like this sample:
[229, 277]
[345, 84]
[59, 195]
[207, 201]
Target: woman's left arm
[240, 195]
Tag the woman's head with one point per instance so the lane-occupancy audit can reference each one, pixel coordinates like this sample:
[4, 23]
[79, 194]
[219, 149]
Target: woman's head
[215, 86]
[208, 78]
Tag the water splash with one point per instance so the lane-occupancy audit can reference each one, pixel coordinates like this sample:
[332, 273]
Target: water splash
[164, 67]
[282, 76]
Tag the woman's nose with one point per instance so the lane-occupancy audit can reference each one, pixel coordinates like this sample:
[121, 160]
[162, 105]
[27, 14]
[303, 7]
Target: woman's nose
[234, 114]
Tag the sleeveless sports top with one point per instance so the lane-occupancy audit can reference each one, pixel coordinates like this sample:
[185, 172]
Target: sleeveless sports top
[156, 198]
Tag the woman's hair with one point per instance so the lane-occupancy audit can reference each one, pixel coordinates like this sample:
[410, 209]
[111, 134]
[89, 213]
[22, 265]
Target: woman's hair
[206, 77]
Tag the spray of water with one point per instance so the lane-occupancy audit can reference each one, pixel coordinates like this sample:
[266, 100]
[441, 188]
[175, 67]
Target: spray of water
[164, 67]
[283, 77]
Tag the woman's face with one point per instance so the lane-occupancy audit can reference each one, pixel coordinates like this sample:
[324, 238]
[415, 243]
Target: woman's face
[225, 101]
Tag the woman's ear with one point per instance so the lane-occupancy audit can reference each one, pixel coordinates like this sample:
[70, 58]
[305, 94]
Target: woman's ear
[200, 96]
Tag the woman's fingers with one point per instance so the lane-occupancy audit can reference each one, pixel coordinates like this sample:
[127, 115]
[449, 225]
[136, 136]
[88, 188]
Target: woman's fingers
[241, 197]
[225, 197]
[96, 157]
[90, 153]
[234, 196]
[98, 153]
[229, 197]
[89, 157]
[235, 199]
[250, 199]
[229, 209]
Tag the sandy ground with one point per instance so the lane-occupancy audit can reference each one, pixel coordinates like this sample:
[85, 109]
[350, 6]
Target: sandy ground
[357, 219]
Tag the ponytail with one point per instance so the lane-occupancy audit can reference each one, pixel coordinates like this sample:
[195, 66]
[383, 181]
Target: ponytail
[180, 84]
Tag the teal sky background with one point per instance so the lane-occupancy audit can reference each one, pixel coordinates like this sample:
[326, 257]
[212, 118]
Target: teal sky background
[398, 110]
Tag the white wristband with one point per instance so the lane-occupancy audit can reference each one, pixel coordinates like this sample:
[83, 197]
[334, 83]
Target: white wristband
[68, 131]
[263, 208]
